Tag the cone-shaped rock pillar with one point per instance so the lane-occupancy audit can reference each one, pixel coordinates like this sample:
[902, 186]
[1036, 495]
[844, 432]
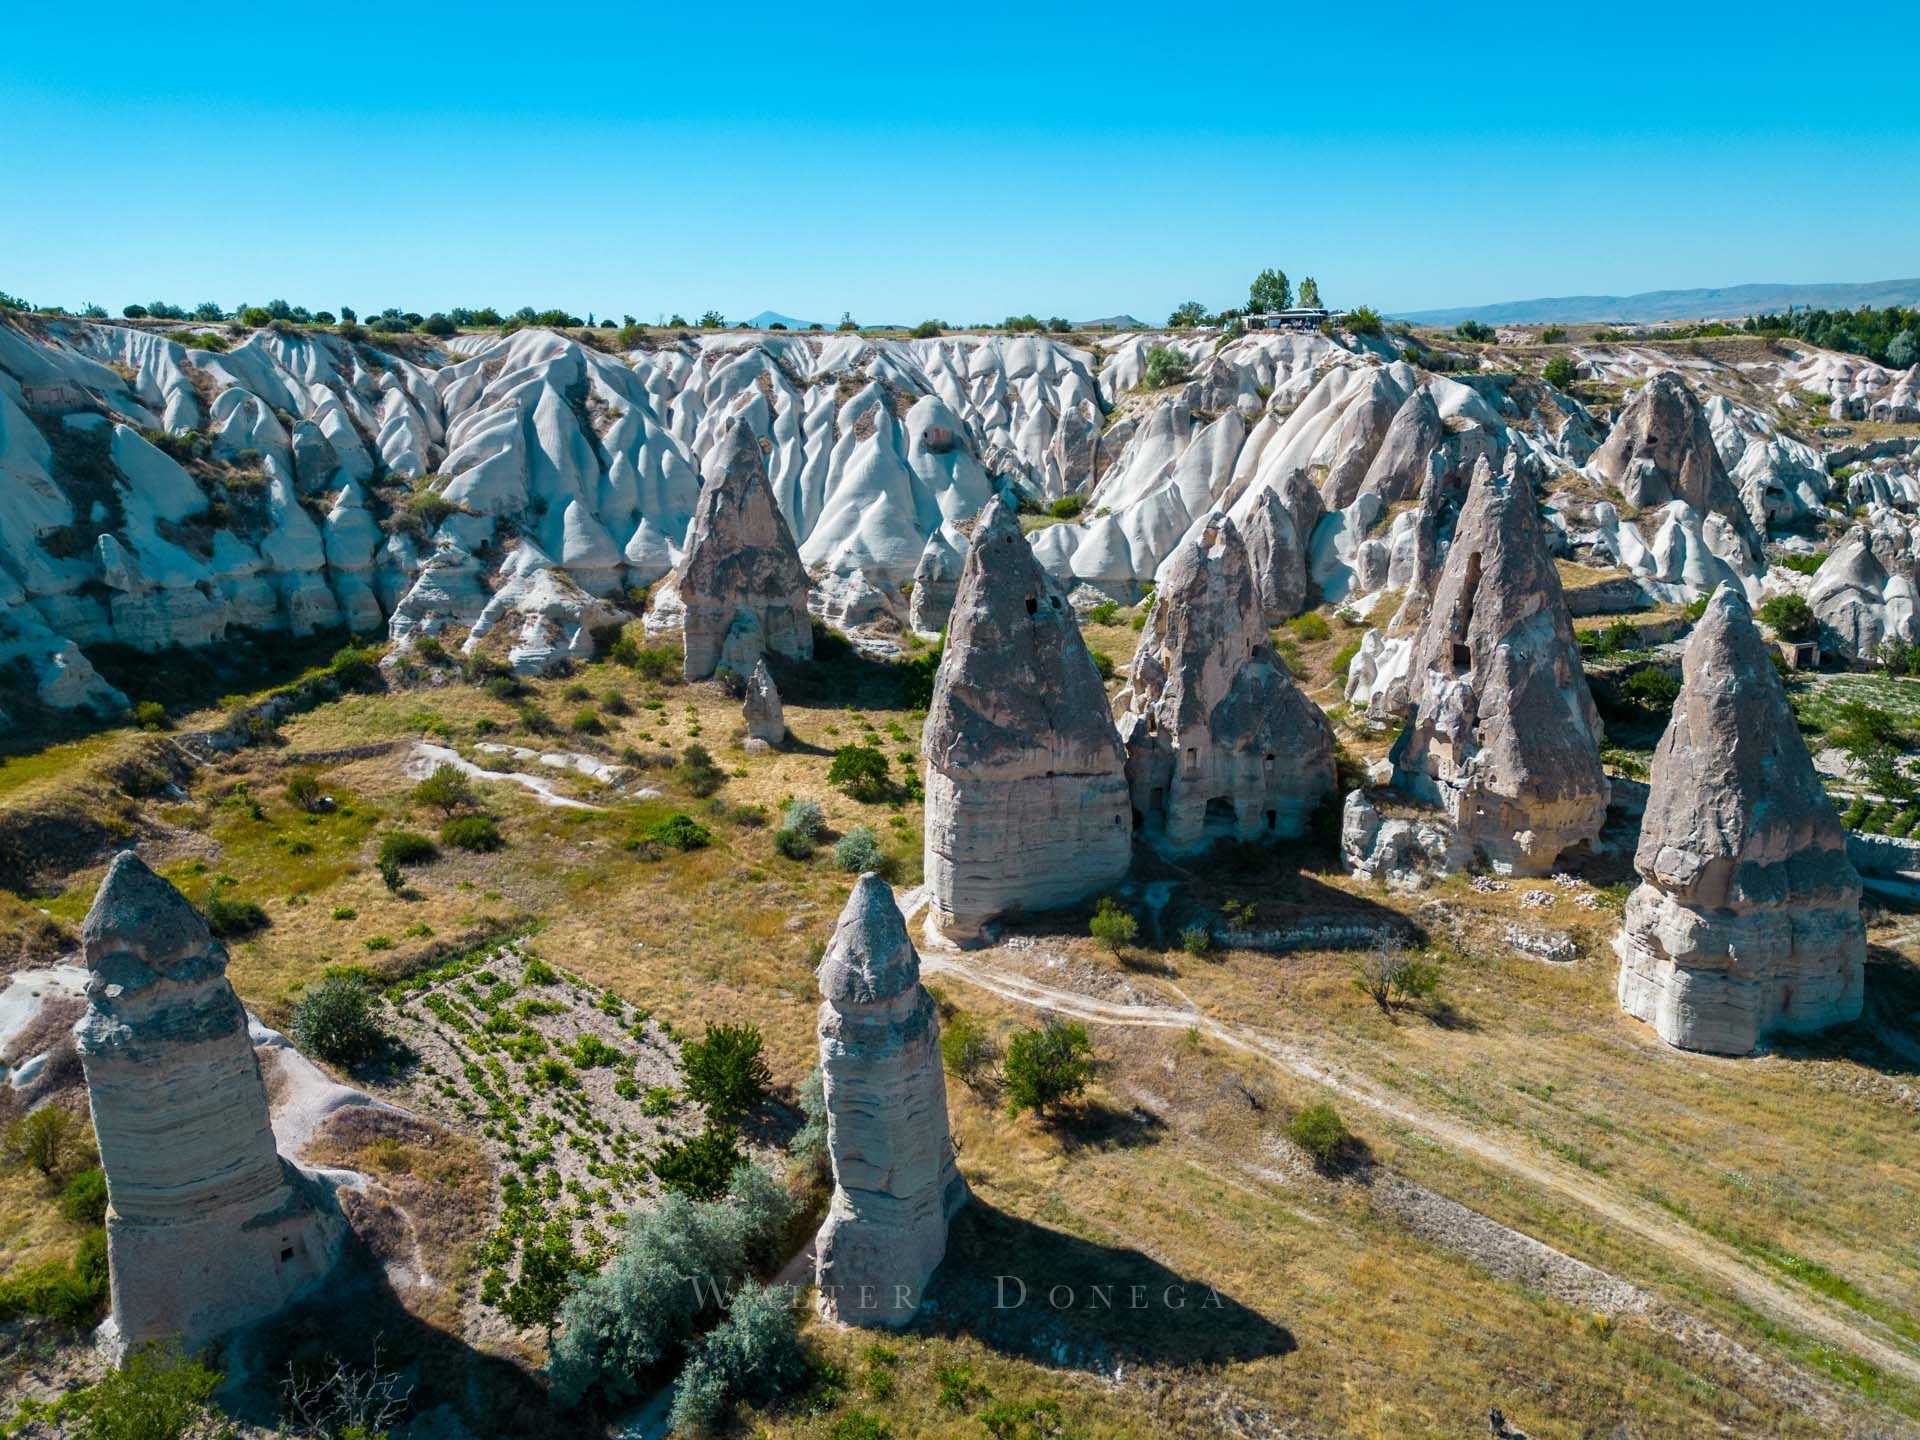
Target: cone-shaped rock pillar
[1502, 733]
[1026, 786]
[741, 582]
[208, 1228]
[1220, 742]
[895, 1185]
[1747, 918]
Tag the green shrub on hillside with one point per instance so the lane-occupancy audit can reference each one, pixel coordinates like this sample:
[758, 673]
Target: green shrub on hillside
[338, 1019]
[473, 832]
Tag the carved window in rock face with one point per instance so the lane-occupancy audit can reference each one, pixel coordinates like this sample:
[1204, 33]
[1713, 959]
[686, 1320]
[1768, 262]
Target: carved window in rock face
[1153, 723]
[1033, 605]
[1462, 655]
[1266, 767]
[1273, 819]
[1193, 759]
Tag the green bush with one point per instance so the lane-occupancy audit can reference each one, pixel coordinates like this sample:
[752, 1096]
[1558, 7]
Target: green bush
[1102, 662]
[700, 1167]
[83, 1200]
[151, 715]
[1343, 660]
[39, 1139]
[1652, 688]
[156, 1394]
[792, 844]
[1046, 1067]
[680, 832]
[966, 1049]
[1364, 320]
[1164, 367]
[1311, 627]
[405, 847]
[1788, 616]
[805, 818]
[1067, 506]
[725, 1070]
[752, 1355]
[305, 791]
[927, 330]
[472, 832]
[71, 1293]
[1560, 372]
[860, 771]
[624, 1324]
[858, 851]
[1105, 613]
[1197, 940]
[1320, 1132]
[588, 722]
[337, 1019]
[698, 772]
[230, 918]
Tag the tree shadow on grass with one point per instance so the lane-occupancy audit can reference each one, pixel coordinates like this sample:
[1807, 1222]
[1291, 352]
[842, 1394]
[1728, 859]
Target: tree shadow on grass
[1097, 1126]
[1043, 1295]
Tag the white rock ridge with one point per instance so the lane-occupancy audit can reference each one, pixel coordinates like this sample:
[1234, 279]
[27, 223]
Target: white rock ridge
[1220, 742]
[208, 1227]
[1027, 802]
[895, 1184]
[1747, 919]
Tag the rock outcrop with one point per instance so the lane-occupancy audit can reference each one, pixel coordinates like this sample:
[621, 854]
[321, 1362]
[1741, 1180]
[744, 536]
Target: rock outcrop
[1747, 918]
[936, 579]
[1661, 449]
[1278, 554]
[208, 1227]
[895, 1184]
[766, 718]
[741, 587]
[1501, 731]
[1220, 742]
[1026, 803]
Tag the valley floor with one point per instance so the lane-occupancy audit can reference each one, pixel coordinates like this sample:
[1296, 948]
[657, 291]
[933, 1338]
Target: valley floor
[1553, 1214]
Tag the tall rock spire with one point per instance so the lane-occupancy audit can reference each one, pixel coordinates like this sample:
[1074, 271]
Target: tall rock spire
[741, 582]
[1220, 742]
[1502, 733]
[1026, 787]
[208, 1228]
[895, 1185]
[1747, 918]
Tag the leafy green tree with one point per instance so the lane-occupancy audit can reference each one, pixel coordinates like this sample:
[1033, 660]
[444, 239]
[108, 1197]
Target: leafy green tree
[709, 320]
[753, 1355]
[1364, 320]
[725, 1069]
[40, 1139]
[447, 789]
[549, 1269]
[1186, 315]
[1310, 294]
[860, 771]
[156, 1394]
[1474, 330]
[847, 322]
[1389, 976]
[966, 1049]
[1112, 925]
[1270, 291]
[1560, 372]
[928, 329]
[701, 1167]
[1045, 1068]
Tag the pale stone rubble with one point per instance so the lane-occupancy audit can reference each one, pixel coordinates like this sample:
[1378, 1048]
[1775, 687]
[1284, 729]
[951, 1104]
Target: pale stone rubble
[208, 1227]
[741, 590]
[1027, 802]
[1747, 919]
[1502, 735]
[766, 718]
[895, 1183]
[1220, 742]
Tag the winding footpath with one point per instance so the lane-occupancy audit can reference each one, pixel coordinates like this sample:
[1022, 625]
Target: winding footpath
[1802, 1309]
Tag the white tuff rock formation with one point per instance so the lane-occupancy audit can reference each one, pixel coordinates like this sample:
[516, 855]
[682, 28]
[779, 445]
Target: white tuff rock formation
[1026, 787]
[766, 719]
[1502, 733]
[895, 1185]
[741, 587]
[208, 1227]
[1747, 918]
[1220, 742]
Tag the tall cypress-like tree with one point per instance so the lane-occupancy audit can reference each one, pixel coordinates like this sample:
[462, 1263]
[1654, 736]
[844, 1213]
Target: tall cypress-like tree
[1269, 291]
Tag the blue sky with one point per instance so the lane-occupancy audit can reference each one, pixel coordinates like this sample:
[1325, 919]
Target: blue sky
[911, 161]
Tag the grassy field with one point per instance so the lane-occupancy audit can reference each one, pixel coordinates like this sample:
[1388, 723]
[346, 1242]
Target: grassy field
[1333, 1316]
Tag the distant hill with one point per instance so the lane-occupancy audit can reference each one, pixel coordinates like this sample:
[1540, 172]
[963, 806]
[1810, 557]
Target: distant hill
[1733, 301]
[1110, 322]
[767, 319]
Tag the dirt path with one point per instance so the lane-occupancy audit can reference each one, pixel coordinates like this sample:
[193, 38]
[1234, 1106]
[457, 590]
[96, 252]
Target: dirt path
[1853, 1333]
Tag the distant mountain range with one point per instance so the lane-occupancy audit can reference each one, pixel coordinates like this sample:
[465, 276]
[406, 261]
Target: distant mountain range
[767, 319]
[1730, 302]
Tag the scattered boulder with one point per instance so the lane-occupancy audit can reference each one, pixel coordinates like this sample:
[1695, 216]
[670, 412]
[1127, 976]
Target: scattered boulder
[208, 1228]
[741, 586]
[1026, 787]
[1501, 732]
[895, 1184]
[766, 720]
[1747, 918]
[1220, 742]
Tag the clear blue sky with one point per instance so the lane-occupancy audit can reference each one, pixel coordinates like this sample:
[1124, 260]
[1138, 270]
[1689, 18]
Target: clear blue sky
[960, 161]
